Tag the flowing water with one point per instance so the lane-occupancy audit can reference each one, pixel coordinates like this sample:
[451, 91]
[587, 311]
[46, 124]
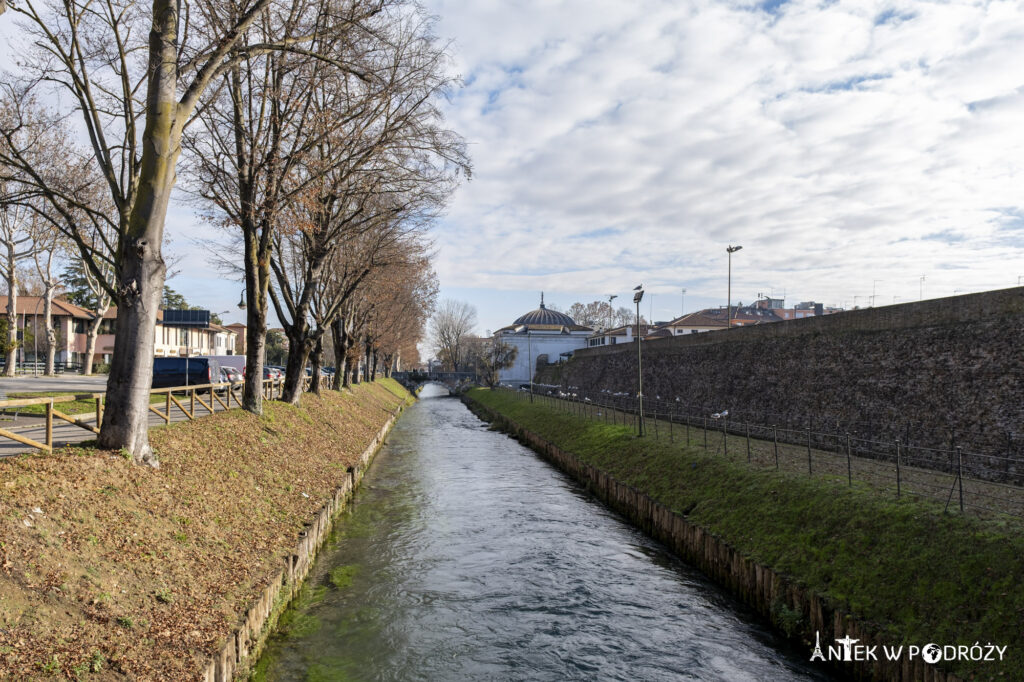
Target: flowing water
[466, 557]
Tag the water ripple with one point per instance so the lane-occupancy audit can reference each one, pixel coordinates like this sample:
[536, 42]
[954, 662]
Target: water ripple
[474, 560]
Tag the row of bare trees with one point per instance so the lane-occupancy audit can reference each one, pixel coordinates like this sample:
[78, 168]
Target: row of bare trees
[308, 129]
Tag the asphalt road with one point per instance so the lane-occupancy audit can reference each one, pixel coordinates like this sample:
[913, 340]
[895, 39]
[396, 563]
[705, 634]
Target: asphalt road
[64, 382]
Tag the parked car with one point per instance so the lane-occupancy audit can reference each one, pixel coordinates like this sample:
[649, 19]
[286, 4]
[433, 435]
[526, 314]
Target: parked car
[272, 373]
[231, 375]
[173, 372]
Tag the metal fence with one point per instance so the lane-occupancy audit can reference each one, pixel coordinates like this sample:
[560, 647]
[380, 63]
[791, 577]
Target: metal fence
[959, 478]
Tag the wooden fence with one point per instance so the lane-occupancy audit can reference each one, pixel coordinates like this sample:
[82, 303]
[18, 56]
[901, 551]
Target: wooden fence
[205, 395]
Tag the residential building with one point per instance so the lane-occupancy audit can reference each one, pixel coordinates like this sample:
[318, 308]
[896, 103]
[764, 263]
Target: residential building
[624, 334]
[71, 323]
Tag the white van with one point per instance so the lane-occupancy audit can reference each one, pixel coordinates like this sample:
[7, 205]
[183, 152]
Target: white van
[236, 361]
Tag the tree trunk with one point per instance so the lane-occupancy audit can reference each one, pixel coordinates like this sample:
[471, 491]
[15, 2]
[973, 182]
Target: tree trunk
[141, 268]
[340, 379]
[353, 365]
[316, 359]
[257, 281]
[12, 314]
[51, 333]
[298, 353]
[366, 362]
[92, 332]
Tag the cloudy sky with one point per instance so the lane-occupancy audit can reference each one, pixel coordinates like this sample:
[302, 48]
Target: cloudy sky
[850, 147]
[839, 143]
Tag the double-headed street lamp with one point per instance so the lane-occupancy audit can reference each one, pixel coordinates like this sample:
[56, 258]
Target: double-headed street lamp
[637, 297]
[731, 250]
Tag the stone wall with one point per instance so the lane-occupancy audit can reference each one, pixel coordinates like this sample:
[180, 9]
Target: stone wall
[937, 374]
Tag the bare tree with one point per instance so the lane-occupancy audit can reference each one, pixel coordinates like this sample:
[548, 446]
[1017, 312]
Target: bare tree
[450, 326]
[48, 247]
[17, 235]
[136, 77]
[496, 355]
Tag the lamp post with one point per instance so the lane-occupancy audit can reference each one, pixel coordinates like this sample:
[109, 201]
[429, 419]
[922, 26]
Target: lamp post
[611, 312]
[639, 362]
[731, 250]
[682, 306]
[529, 359]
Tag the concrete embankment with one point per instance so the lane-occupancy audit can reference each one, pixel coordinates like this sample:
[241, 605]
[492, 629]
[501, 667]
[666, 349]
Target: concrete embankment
[811, 556]
[124, 572]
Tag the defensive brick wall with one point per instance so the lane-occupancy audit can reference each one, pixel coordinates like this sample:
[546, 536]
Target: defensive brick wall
[939, 373]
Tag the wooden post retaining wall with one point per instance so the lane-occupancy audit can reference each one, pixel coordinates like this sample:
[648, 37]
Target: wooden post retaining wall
[241, 650]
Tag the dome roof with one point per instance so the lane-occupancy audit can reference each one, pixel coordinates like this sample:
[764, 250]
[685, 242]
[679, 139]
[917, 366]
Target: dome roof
[544, 316]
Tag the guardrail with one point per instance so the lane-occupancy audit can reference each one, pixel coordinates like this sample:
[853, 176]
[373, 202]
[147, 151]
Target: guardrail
[206, 395]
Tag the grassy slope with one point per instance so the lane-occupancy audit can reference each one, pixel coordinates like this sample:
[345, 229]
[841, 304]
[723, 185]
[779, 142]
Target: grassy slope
[918, 574]
[127, 571]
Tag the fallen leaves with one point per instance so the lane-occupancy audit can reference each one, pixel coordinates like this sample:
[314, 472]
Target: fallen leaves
[90, 571]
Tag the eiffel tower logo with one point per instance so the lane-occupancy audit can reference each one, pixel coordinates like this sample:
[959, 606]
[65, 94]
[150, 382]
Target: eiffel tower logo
[817, 655]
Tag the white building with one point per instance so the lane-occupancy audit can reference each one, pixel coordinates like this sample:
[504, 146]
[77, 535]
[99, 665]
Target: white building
[540, 333]
[624, 334]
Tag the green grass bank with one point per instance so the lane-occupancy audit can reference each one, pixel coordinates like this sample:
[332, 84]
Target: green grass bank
[112, 571]
[904, 570]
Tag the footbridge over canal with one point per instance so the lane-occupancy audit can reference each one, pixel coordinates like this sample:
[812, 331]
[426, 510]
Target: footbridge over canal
[452, 380]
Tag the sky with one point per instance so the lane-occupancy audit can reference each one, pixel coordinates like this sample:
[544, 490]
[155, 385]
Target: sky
[851, 148]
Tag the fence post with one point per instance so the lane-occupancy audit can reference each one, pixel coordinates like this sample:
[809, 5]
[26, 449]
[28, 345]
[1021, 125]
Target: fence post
[167, 408]
[960, 474]
[99, 412]
[775, 438]
[849, 462]
[809, 472]
[725, 437]
[705, 433]
[49, 425]
[192, 403]
[748, 442]
[897, 467]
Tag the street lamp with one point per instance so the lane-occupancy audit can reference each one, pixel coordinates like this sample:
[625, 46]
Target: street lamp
[637, 297]
[731, 250]
[611, 313]
[241, 301]
[682, 307]
[529, 359]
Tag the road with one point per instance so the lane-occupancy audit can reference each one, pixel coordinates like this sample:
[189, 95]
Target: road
[64, 382]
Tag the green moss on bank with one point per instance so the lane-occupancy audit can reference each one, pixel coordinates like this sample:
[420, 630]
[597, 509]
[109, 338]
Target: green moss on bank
[917, 574]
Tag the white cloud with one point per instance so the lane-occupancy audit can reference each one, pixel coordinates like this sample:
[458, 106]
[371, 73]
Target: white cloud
[839, 142]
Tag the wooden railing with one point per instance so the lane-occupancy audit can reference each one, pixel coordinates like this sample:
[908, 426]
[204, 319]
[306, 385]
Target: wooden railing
[206, 395]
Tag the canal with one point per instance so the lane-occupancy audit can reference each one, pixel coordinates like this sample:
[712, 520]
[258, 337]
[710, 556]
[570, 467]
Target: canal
[466, 557]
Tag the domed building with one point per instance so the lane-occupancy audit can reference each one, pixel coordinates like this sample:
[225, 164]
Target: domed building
[541, 334]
